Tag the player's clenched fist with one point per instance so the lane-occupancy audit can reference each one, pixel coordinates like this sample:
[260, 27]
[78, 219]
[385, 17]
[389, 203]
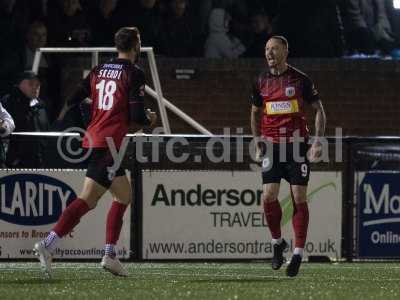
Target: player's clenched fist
[152, 116]
[315, 152]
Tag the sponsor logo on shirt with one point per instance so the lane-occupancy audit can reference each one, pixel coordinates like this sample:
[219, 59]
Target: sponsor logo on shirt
[282, 107]
[290, 91]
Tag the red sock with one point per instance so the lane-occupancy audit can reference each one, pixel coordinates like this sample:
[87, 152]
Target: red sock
[300, 224]
[114, 222]
[71, 217]
[273, 215]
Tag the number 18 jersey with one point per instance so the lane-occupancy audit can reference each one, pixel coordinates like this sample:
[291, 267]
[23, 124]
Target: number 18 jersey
[111, 87]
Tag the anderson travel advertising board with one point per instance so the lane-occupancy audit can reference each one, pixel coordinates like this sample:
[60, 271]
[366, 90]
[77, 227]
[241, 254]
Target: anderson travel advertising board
[219, 215]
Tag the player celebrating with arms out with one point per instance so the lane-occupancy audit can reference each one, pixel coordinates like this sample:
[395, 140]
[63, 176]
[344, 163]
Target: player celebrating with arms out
[117, 91]
[277, 116]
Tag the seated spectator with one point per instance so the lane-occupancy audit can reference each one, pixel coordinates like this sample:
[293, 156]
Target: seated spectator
[22, 14]
[105, 21]
[29, 114]
[269, 7]
[261, 32]
[240, 19]
[38, 9]
[219, 43]
[237, 7]
[367, 26]
[12, 47]
[36, 37]
[68, 26]
[178, 30]
[313, 28]
[147, 19]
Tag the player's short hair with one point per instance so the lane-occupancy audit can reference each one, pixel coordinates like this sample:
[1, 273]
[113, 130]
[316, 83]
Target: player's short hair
[282, 39]
[126, 38]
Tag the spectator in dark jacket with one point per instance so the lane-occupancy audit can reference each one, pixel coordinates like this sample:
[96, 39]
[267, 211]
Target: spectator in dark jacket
[147, 19]
[11, 47]
[368, 27]
[29, 114]
[261, 32]
[313, 28]
[68, 25]
[178, 30]
[36, 37]
[105, 21]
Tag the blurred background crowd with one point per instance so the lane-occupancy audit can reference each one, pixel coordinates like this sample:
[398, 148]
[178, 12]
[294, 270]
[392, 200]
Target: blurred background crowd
[215, 29]
[210, 28]
[196, 28]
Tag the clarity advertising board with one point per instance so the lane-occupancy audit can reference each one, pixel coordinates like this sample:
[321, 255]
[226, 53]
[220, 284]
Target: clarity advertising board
[32, 201]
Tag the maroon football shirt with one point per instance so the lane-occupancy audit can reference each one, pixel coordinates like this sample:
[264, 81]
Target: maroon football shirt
[282, 98]
[112, 85]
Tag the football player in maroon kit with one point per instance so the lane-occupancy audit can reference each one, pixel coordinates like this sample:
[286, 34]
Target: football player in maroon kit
[117, 92]
[281, 134]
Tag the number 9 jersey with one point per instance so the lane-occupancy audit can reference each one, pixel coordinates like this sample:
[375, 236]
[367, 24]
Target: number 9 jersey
[115, 88]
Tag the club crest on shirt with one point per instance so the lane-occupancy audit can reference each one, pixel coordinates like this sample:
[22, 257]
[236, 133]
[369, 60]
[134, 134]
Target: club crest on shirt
[290, 91]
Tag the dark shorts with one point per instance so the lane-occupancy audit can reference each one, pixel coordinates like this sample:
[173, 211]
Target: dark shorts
[98, 169]
[294, 168]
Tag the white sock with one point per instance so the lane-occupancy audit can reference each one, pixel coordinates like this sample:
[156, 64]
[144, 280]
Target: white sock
[298, 251]
[50, 242]
[109, 250]
[276, 241]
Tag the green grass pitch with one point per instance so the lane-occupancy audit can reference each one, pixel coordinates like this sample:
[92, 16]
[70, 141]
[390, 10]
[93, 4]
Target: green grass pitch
[201, 281]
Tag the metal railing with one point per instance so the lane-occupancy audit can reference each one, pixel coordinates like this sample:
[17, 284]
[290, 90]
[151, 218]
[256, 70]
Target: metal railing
[156, 94]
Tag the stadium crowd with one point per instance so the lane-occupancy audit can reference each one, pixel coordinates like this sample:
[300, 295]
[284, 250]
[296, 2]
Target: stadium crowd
[183, 28]
[189, 28]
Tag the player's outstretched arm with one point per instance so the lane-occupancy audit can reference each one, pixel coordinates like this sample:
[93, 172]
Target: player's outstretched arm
[255, 120]
[320, 119]
[320, 123]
